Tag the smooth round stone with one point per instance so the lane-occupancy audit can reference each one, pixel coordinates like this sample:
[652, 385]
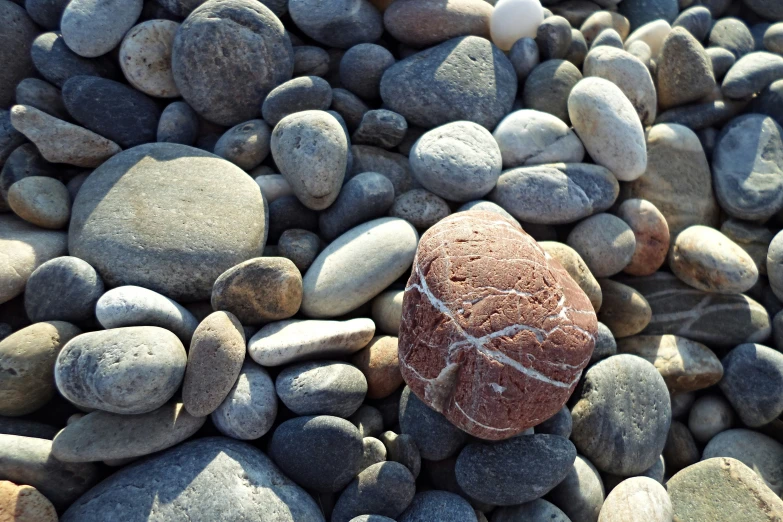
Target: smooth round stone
[605, 344]
[607, 123]
[42, 201]
[701, 492]
[250, 408]
[438, 506]
[25, 161]
[548, 87]
[577, 269]
[46, 13]
[515, 19]
[473, 78]
[524, 57]
[61, 142]
[684, 71]
[760, 453]
[363, 65]
[751, 74]
[529, 137]
[93, 28]
[273, 186]
[41, 95]
[379, 363]
[775, 265]
[27, 358]
[637, 499]
[369, 422]
[773, 38]
[392, 165]
[101, 436]
[608, 38]
[684, 365]
[364, 197]
[746, 183]
[556, 193]
[752, 382]
[178, 124]
[553, 37]
[311, 61]
[124, 370]
[558, 424]
[300, 246]
[287, 212]
[27, 247]
[722, 60]
[680, 450]
[696, 20]
[459, 161]
[219, 224]
[315, 172]
[349, 106]
[330, 290]
[28, 460]
[424, 24]
[651, 233]
[245, 480]
[652, 33]
[538, 510]
[624, 310]
[516, 470]
[420, 208]
[702, 115]
[733, 35]
[16, 40]
[605, 242]
[63, 289]
[322, 388]
[386, 489]
[628, 73]
[387, 311]
[581, 494]
[262, 59]
[320, 453]
[56, 62]
[402, 449]
[635, 422]
[300, 94]
[245, 145]
[136, 306]
[709, 416]
[436, 438]
[215, 357]
[766, 8]
[641, 51]
[373, 452]
[25, 504]
[259, 290]
[678, 180]
[655, 472]
[145, 58]
[358, 21]
[708, 260]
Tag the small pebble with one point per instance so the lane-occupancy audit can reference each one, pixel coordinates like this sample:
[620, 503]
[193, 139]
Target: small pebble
[321, 388]
[624, 310]
[752, 379]
[250, 408]
[420, 208]
[514, 19]
[379, 363]
[386, 488]
[710, 415]
[402, 449]
[245, 145]
[605, 243]
[548, 87]
[387, 311]
[62, 289]
[637, 499]
[25, 504]
[300, 94]
[145, 58]
[581, 494]
[363, 65]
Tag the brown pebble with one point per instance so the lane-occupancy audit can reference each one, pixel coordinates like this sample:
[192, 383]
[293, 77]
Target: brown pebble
[24, 504]
[652, 236]
[379, 363]
[624, 310]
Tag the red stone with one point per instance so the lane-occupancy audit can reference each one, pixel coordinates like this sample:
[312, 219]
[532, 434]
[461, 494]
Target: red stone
[495, 333]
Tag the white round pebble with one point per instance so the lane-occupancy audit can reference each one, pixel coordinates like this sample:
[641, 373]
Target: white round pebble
[145, 58]
[515, 19]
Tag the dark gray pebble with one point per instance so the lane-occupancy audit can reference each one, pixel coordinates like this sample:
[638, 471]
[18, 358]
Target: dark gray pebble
[310, 60]
[63, 289]
[386, 488]
[640, 12]
[23, 162]
[558, 424]
[770, 102]
[722, 60]
[178, 124]
[57, 63]
[732, 34]
[553, 38]
[577, 51]
[753, 383]
[697, 20]
[300, 94]
[438, 506]
[435, 436]
[300, 246]
[363, 197]
[381, 128]
[10, 138]
[349, 106]
[322, 388]
[524, 57]
[394, 166]
[605, 344]
[41, 95]
[288, 212]
[362, 67]
[46, 13]
[548, 86]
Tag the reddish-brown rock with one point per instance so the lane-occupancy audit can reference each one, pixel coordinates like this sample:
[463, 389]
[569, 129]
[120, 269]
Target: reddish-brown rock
[495, 333]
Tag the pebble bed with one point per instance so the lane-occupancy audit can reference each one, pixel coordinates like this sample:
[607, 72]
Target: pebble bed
[391, 260]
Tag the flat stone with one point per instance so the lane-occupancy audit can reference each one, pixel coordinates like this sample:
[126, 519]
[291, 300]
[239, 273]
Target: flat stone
[16, 41]
[386, 488]
[538, 510]
[145, 58]
[25, 503]
[548, 87]
[709, 415]
[605, 242]
[60, 141]
[320, 453]
[424, 24]
[474, 80]
[56, 62]
[684, 71]
[178, 124]
[29, 461]
[752, 379]
[529, 137]
[250, 408]
[230, 92]
[438, 506]
[577, 269]
[40, 200]
[637, 499]
[27, 359]
[245, 145]
[124, 370]
[760, 453]
[296, 340]
[215, 357]
[747, 161]
[732, 34]
[514, 471]
[193, 475]
[219, 224]
[25, 248]
[581, 493]
[92, 29]
[136, 306]
[362, 198]
[322, 388]
[701, 492]
[300, 94]
[624, 310]
[359, 21]
[635, 423]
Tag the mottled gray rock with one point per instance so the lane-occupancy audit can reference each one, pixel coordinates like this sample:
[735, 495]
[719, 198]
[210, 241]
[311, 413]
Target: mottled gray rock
[524, 57]
[438, 506]
[261, 59]
[752, 382]
[213, 478]
[636, 422]
[553, 38]
[305, 93]
[178, 124]
[548, 87]
[16, 40]
[386, 488]
[364, 197]
[343, 23]
[381, 128]
[92, 29]
[362, 67]
[697, 20]
[250, 409]
[605, 242]
[124, 370]
[245, 145]
[420, 208]
[287, 212]
[310, 60]
[46, 13]
[751, 74]
[41, 95]
[402, 449]
[733, 35]
[320, 453]
[709, 416]
[391, 164]
[536, 511]
[63, 289]
[56, 62]
[322, 388]
[555, 194]
[300, 246]
[474, 81]
[436, 437]
[637, 498]
[684, 71]
[680, 450]
[581, 493]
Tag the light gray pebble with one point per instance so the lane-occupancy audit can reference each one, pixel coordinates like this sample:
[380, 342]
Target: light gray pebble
[92, 29]
[250, 409]
[322, 388]
[529, 137]
[605, 242]
[373, 452]
[751, 74]
[608, 38]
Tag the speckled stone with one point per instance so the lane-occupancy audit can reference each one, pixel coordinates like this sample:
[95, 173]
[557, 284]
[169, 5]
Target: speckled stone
[420, 208]
[577, 269]
[25, 504]
[684, 71]
[382, 128]
[40, 200]
[752, 380]
[322, 388]
[145, 58]
[386, 488]
[250, 408]
[362, 67]
[245, 145]
[358, 21]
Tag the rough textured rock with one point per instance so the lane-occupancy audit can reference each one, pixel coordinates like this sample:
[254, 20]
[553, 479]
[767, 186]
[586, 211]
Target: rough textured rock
[386, 488]
[514, 471]
[760, 453]
[436, 438]
[752, 380]
[557, 329]
[228, 92]
[321, 388]
[438, 506]
[63, 289]
[145, 58]
[424, 24]
[125, 370]
[577, 269]
[16, 40]
[626, 398]
[379, 363]
[420, 208]
[684, 71]
[214, 478]
[475, 82]
[250, 409]
[92, 29]
[220, 223]
[637, 499]
[341, 24]
[25, 504]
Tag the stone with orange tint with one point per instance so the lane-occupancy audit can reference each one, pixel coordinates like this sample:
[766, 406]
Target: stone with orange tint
[652, 236]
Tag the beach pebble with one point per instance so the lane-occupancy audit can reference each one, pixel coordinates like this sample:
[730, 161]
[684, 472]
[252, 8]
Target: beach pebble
[23, 162]
[684, 71]
[608, 38]
[25, 504]
[597, 22]
[437, 506]
[310, 60]
[145, 58]
[402, 449]
[300, 94]
[56, 62]
[124, 370]
[435, 437]
[381, 128]
[624, 310]
[751, 74]
[273, 186]
[577, 269]
[640, 12]
[379, 363]
[359, 21]
[16, 40]
[394, 166]
[46, 13]
[733, 35]
[538, 510]
[697, 20]
[387, 311]
[41, 95]
[424, 24]
[548, 87]
[759, 452]
[136, 306]
[605, 242]
[773, 38]
[558, 424]
[709, 416]
[758, 399]
[287, 212]
[680, 450]
[245, 145]
[515, 19]
[322, 388]
[637, 499]
[373, 452]
[362, 198]
[363, 65]
[581, 494]
[386, 488]
[63, 289]
[92, 28]
[250, 408]
[178, 124]
[529, 137]
[651, 233]
[369, 422]
[553, 37]
[754, 239]
[42, 201]
[524, 57]
[605, 344]
[349, 106]
[300, 246]
[652, 33]
[722, 61]
[420, 208]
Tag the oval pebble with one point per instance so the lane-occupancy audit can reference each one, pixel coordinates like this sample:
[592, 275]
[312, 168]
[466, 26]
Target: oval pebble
[322, 388]
[359, 21]
[145, 58]
[386, 488]
[624, 310]
[379, 363]
[751, 73]
[436, 438]
[577, 269]
[709, 415]
[761, 453]
[581, 494]
[364, 197]
[637, 499]
[548, 87]
[605, 242]
[752, 382]
[250, 408]
[63, 289]
[245, 145]
[297, 95]
[530, 137]
[93, 28]
[438, 506]
[42, 201]
[420, 208]
[651, 233]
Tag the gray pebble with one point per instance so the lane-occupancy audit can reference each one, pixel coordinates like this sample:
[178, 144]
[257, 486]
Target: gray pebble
[733, 35]
[300, 94]
[178, 124]
[605, 242]
[381, 128]
[64, 289]
[696, 20]
[92, 29]
[17, 33]
[548, 86]
[709, 416]
[363, 198]
[558, 424]
[338, 23]
[46, 13]
[640, 12]
[246, 145]
[581, 493]
[420, 208]
[536, 511]
[386, 488]
[322, 388]
[349, 106]
[608, 38]
[438, 506]
[524, 57]
[56, 62]
[368, 421]
[752, 382]
[310, 60]
[373, 452]
[300, 246]
[362, 67]
[402, 449]
[436, 437]
[680, 450]
[773, 38]
[41, 95]
[250, 409]
[605, 344]
[721, 60]
[684, 71]
[553, 38]
[394, 166]
[759, 452]
[288, 212]
[577, 51]
[751, 74]
[527, 137]
[23, 162]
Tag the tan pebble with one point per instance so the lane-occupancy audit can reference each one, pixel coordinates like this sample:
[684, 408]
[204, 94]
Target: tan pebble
[145, 57]
[24, 504]
[387, 311]
[577, 269]
[380, 365]
[624, 310]
[652, 236]
[42, 201]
